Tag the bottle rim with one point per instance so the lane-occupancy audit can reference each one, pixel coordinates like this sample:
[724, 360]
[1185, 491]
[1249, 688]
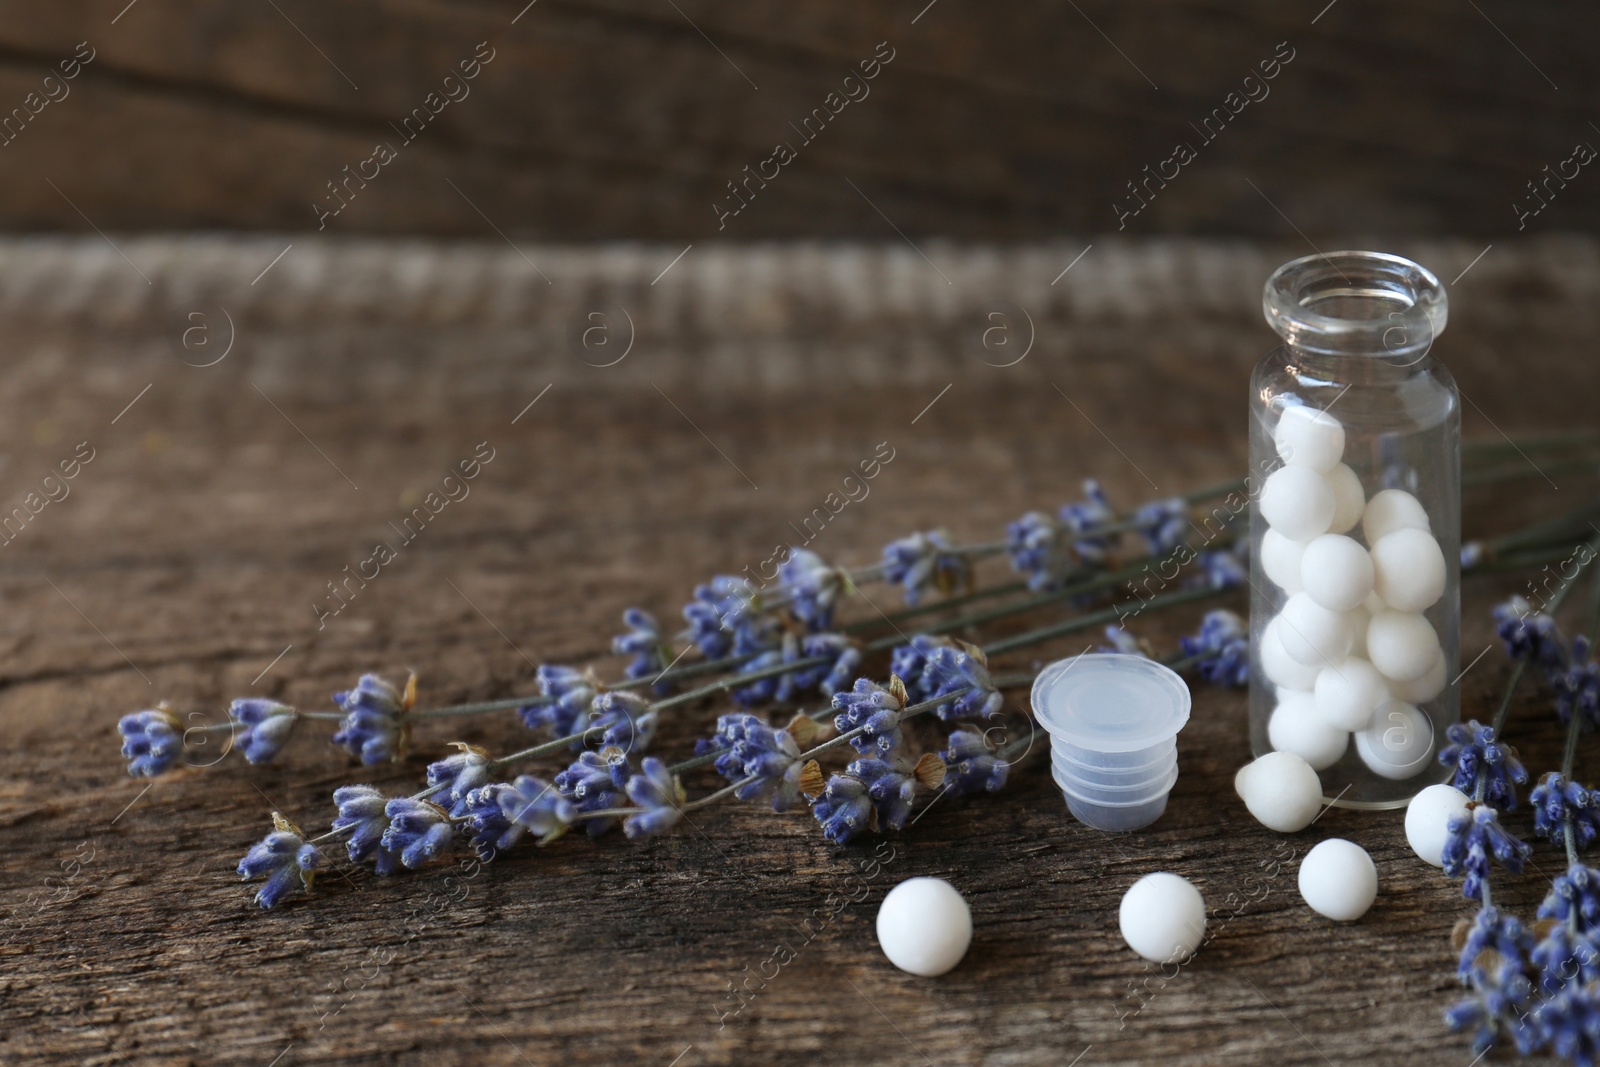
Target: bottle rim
[1356, 303]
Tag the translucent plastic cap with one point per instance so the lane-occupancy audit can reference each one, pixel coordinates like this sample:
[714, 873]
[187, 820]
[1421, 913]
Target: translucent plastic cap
[1110, 702]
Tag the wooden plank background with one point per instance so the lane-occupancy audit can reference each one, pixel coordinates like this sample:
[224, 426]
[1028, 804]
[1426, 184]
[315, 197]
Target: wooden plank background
[221, 499]
[626, 119]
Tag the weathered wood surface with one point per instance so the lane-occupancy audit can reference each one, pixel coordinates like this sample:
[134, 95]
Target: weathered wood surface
[626, 119]
[193, 545]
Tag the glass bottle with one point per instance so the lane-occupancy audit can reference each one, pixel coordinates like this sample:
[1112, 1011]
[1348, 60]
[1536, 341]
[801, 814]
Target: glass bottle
[1355, 527]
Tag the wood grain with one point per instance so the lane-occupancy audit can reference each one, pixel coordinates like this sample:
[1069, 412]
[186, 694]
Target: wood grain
[624, 119]
[192, 546]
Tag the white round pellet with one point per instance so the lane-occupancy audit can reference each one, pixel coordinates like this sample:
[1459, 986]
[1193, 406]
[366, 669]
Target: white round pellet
[1349, 499]
[1408, 569]
[1281, 790]
[1339, 880]
[1399, 743]
[1307, 437]
[1424, 689]
[1296, 727]
[1280, 559]
[924, 926]
[1391, 510]
[1163, 917]
[1312, 634]
[1297, 502]
[1401, 644]
[1348, 693]
[1428, 820]
[1281, 668]
[1336, 572]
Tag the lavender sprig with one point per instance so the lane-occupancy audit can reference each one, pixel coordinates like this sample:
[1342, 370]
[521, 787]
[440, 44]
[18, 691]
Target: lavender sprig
[1473, 839]
[1220, 649]
[1499, 955]
[1493, 961]
[1484, 769]
[375, 726]
[379, 719]
[151, 742]
[924, 560]
[644, 643]
[285, 859]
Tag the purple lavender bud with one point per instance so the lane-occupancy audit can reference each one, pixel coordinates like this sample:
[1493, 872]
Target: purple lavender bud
[266, 727]
[656, 790]
[151, 741]
[418, 830]
[284, 859]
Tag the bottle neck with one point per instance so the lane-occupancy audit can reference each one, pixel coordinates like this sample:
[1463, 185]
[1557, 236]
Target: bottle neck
[1357, 368]
[1368, 314]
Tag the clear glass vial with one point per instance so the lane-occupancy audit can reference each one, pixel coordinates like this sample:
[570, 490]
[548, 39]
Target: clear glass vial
[1355, 527]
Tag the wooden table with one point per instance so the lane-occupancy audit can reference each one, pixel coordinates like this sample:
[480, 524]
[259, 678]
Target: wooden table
[221, 501]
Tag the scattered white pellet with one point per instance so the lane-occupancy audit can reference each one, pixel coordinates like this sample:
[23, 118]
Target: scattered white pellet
[924, 926]
[1339, 880]
[1163, 917]
[1281, 790]
[1428, 820]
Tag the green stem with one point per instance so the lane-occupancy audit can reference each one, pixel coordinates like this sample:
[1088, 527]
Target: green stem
[1116, 613]
[1594, 609]
[895, 617]
[1519, 561]
[1122, 525]
[1569, 755]
[1100, 581]
[1561, 528]
[1523, 470]
[1503, 714]
[1477, 450]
